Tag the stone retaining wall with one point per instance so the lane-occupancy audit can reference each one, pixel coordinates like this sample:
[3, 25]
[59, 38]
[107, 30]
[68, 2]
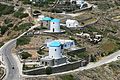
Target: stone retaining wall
[57, 69]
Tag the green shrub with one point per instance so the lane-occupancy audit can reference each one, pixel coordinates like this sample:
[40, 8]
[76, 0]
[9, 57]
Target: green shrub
[25, 55]
[23, 40]
[21, 9]
[1, 44]
[20, 15]
[10, 25]
[67, 77]
[4, 9]
[7, 21]
[104, 5]
[23, 26]
[48, 70]
[4, 29]
[40, 51]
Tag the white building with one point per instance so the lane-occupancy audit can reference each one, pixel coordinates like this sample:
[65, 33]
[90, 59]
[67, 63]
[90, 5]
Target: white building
[55, 50]
[72, 23]
[55, 56]
[41, 17]
[78, 2]
[46, 22]
[55, 25]
[66, 44]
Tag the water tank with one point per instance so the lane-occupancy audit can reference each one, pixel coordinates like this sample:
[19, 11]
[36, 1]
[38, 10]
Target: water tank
[55, 25]
[55, 50]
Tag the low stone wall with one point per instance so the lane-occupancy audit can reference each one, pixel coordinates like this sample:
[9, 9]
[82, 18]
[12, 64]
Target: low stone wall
[38, 71]
[70, 66]
[76, 51]
[57, 69]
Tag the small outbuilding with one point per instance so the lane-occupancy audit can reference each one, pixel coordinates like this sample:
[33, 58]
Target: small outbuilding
[46, 22]
[72, 23]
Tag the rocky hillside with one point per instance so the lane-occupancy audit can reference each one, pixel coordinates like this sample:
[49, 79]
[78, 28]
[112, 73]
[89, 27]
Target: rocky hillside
[106, 72]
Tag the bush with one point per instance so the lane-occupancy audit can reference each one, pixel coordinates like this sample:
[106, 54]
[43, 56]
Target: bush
[23, 26]
[4, 29]
[8, 10]
[40, 51]
[10, 25]
[23, 41]
[21, 9]
[104, 5]
[25, 55]
[20, 15]
[1, 44]
[4, 9]
[48, 70]
[67, 77]
[7, 21]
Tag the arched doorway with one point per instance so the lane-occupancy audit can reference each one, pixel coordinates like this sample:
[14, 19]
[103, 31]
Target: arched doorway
[53, 29]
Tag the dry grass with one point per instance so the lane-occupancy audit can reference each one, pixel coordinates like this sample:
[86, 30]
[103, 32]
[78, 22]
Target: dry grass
[108, 46]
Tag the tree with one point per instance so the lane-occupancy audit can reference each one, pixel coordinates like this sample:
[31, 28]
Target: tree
[40, 51]
[48, 70]
[93, 59]
[25, 55]
[23, 40]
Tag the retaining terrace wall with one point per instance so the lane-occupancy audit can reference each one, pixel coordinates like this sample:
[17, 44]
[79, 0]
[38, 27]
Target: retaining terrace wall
[57, 69]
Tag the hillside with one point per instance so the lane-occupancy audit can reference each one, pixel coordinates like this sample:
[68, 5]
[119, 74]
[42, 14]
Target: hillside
[14, 22]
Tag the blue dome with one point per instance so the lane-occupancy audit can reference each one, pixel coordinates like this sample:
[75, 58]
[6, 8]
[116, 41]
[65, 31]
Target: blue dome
[55, 44]
[46, 19]
[55, 20]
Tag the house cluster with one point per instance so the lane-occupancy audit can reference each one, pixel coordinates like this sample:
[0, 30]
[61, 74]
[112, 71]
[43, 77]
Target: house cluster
[92, 38]
[80, 3]
[54, 25]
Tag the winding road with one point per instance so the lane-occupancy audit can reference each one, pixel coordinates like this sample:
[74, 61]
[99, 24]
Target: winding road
[12, 69]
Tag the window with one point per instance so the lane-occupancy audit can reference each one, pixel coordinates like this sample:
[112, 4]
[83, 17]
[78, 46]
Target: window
[69, 24]
[61, 46]
[72, 43]
[65, 45]
[55, 49]
[45, 63]
[42, 62]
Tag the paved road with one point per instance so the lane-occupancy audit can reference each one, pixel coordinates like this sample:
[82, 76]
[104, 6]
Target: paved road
[10, 62]
[12, 74]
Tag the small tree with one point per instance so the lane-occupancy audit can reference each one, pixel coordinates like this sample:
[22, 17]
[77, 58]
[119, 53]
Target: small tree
[23, 41]
[25, 55]
[48, 70]
[40, 51]
[93, 59]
